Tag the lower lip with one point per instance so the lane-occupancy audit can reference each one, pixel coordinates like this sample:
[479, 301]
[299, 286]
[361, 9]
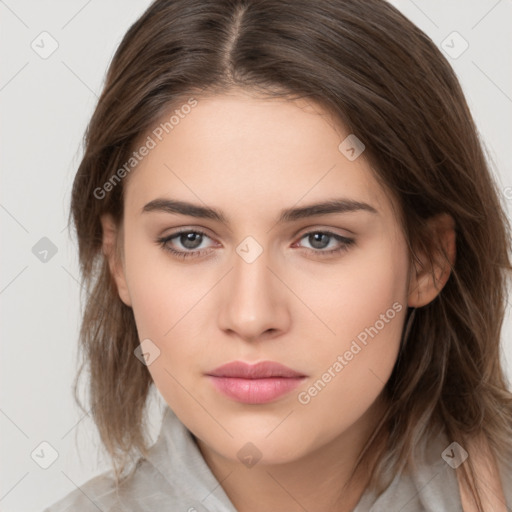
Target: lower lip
[255, 391]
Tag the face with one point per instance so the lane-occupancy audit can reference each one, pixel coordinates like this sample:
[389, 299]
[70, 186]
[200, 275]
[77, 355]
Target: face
[320, 293]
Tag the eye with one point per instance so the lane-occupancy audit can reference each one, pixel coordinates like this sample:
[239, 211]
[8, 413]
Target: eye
[320, 240]
[190, 240]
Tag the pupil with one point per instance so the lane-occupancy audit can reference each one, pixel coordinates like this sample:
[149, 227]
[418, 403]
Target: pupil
[317, 238]
[190, 240]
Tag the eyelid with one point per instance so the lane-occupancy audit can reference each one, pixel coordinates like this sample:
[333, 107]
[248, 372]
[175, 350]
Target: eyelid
[298, 234]
[325, 229]
[343, 241]
[179, 229]
[174, 232]
[200, 231]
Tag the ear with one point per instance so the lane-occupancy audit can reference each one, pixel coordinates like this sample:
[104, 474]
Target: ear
[428, 281]
[110, 241]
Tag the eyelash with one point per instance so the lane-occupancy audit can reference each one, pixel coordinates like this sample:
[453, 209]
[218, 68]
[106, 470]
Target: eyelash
[163, 241]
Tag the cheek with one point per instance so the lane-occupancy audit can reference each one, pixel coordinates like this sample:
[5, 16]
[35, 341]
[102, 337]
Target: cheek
[169, 303]
[354, 295]
[352, 372]
[365, 307]
[162, 291]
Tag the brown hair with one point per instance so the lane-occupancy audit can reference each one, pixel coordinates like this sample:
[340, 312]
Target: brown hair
[391, 87]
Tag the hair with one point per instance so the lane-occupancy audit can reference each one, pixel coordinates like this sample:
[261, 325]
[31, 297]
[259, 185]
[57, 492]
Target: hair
[389, 84]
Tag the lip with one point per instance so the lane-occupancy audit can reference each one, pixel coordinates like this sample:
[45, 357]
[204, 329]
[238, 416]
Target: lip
[257, 383]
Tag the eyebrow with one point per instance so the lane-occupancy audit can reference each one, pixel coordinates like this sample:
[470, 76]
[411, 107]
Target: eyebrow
[287, 215]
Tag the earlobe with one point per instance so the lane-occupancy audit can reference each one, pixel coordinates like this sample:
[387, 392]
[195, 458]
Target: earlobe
[110, 235]
[428, 281]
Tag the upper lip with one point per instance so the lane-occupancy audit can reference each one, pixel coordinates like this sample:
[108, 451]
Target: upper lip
[262, 370]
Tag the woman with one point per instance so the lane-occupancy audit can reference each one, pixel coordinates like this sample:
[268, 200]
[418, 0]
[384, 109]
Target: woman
[286, 223]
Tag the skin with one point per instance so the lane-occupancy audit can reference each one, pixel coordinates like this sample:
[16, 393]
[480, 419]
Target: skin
[290, 305]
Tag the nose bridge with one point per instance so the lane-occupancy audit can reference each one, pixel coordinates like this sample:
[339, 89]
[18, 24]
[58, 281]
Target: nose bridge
[253, 302]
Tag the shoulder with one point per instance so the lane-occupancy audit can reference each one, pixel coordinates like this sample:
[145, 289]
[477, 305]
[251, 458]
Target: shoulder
[427, 483]
[172, 476]
[102, 492]
[145, 489]
[96, 493]
[492, 478]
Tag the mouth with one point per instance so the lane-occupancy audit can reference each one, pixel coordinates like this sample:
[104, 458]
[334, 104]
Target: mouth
[258, 383]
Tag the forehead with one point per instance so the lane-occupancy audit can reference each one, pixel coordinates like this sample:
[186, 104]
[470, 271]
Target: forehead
[250, 155]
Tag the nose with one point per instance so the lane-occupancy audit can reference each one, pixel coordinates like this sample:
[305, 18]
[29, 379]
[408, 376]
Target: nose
[254, 304]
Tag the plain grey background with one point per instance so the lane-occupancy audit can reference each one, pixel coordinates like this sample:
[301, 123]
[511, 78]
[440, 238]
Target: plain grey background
[54, 58]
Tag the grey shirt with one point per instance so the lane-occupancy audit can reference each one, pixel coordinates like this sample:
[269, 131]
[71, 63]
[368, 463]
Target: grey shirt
[175, 478]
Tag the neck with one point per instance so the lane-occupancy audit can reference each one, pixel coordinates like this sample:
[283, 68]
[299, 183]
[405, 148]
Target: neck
[318, 481]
